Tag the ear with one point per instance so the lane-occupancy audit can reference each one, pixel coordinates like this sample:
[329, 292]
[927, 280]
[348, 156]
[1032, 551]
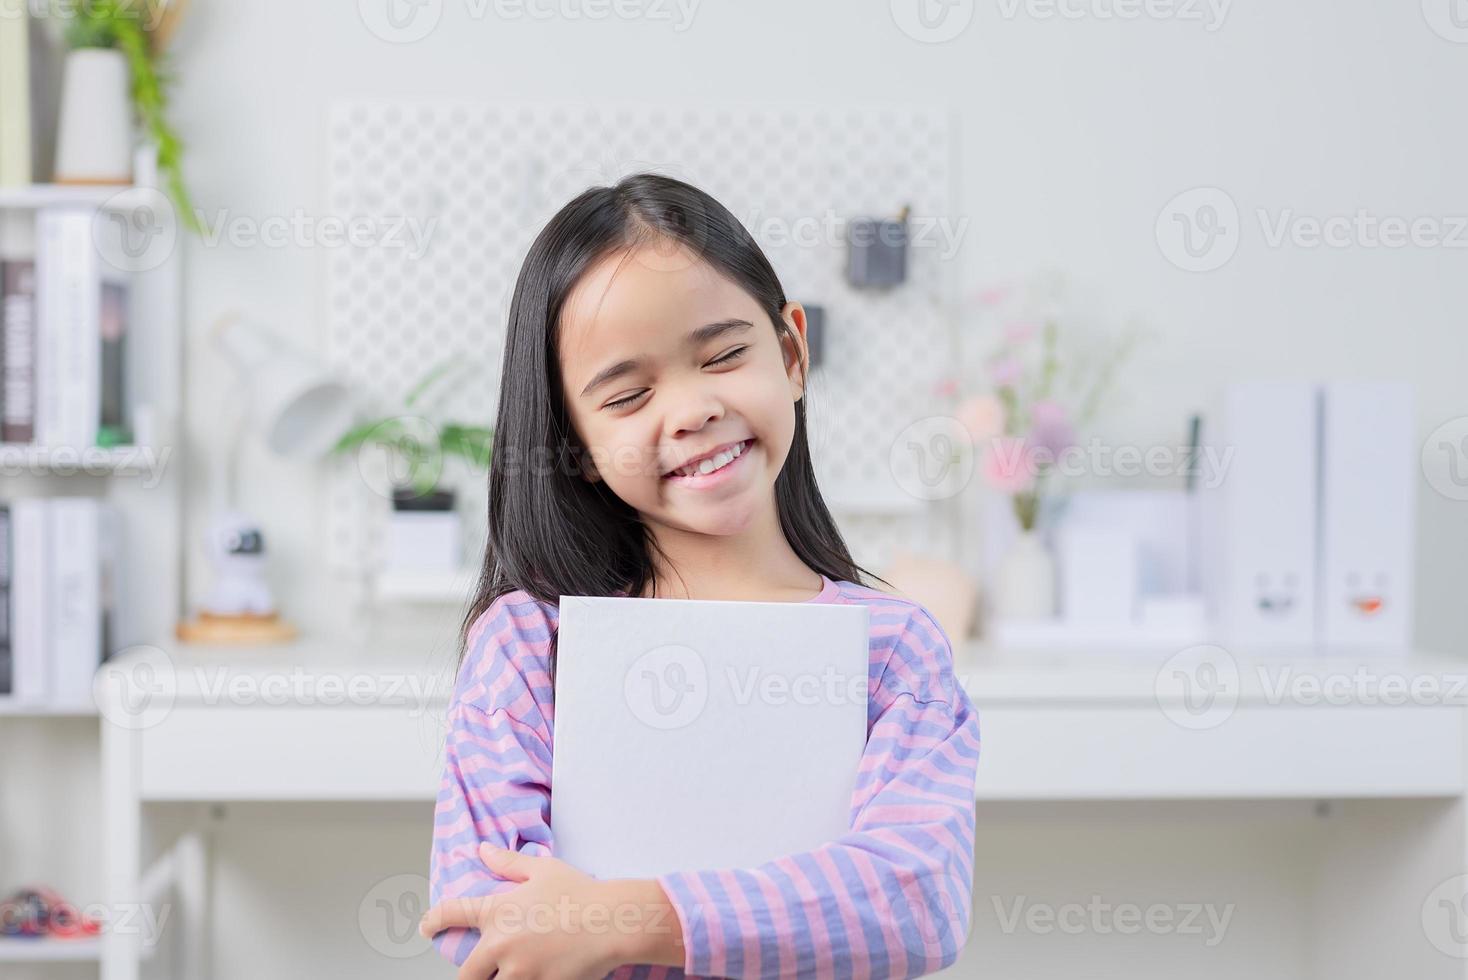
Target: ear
[794, 347]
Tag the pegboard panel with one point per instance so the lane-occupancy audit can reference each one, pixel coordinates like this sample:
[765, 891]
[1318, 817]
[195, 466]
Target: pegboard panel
[478, 181]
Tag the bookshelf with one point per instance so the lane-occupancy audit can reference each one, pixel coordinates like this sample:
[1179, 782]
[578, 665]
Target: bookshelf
[35, 196]
[118, 460]
[143, 486]
[54, 950]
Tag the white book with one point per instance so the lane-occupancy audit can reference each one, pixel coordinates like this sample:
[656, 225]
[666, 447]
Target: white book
[28, 590]
[75, 598]
[712, 690]
[68, 328]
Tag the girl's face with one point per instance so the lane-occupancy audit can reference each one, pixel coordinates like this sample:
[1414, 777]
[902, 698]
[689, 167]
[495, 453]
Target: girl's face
[665, 363]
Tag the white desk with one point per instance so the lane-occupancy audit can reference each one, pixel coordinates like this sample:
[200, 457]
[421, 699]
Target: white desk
[302, 722]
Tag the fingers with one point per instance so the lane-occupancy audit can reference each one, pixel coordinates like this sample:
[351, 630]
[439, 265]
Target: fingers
[481, 963]
[452, 913]
[510, 865]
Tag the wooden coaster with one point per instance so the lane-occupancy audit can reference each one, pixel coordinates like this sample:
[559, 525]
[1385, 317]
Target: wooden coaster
[243, 629]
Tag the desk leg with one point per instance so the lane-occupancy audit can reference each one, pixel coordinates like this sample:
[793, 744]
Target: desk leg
[192, 888]
[122, 852]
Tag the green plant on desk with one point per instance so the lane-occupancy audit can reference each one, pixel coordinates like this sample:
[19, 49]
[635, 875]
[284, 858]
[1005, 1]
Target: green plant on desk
[422, 443]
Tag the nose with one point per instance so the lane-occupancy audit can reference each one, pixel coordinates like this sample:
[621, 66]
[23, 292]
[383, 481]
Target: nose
[693, 410]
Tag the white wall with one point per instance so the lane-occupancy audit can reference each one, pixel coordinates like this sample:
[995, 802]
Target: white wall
[1074, 134]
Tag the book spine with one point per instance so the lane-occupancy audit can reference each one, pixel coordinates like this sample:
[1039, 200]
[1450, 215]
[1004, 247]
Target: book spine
[75, 578]
[48, 312]
[46, 68]
[109, 597]
[68, 329]
[7, 663]
[15, 103]
[18, 351]
[113, 425]
[28, 585]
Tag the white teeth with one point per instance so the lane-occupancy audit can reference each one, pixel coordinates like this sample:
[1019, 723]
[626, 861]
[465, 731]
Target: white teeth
[705, 466]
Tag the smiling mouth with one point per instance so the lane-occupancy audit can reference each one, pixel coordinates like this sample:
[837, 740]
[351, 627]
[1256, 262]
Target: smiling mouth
[713, 464]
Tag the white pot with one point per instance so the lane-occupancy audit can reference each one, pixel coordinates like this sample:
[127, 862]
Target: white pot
[424, 541]
[94, 144]
[1024, 584]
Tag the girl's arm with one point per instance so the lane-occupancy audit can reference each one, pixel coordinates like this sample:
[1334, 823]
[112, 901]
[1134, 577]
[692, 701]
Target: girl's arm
[495, 788]
[892, 897]
[497, 761]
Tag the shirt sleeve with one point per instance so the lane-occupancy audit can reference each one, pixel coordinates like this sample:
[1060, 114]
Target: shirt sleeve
[497, 762]
[891, 898]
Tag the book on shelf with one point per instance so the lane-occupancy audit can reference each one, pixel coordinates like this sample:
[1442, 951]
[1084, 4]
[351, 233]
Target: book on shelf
[58, 581]
[7, 662]
[17, 350]
[30, 96]
[63, 339]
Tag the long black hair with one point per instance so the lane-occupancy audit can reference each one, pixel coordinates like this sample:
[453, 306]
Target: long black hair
[551, 531]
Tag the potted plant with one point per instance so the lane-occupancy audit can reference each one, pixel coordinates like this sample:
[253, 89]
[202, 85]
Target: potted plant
[424, 531]
[1040, 388]
[116, 57]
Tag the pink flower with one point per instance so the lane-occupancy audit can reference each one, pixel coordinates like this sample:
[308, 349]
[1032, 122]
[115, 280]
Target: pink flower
[983, 416]
[946, 388]
[1005, 371]
[994, 295]
[1050, 427]
[1009, 465]
[1020, 332]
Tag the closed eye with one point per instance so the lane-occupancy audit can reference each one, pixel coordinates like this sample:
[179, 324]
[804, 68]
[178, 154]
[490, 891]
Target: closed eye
[730, 357]
[734, 354]
[626, 401]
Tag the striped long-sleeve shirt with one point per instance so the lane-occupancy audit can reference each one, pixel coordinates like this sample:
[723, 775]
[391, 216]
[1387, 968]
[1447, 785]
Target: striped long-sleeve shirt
[890, 898]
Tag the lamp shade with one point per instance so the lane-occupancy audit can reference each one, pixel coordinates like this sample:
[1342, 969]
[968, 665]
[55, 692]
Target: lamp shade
[300, 407]
[303, 411]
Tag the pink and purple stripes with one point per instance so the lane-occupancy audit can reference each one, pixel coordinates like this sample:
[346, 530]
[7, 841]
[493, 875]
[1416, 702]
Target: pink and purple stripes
[891, 898]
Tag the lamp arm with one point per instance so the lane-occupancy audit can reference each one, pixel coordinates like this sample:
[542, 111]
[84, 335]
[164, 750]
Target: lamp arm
[234, 346]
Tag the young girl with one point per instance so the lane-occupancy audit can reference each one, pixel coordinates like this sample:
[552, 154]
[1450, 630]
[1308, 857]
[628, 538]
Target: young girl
[651, 441]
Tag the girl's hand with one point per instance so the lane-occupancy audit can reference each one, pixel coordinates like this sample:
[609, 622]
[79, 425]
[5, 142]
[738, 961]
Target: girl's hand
[559, 924]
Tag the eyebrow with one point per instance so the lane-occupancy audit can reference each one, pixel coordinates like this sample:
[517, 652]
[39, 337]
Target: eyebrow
[695, 338]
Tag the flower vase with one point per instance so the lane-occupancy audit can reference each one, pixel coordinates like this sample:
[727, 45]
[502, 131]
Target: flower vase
[1024, 586]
